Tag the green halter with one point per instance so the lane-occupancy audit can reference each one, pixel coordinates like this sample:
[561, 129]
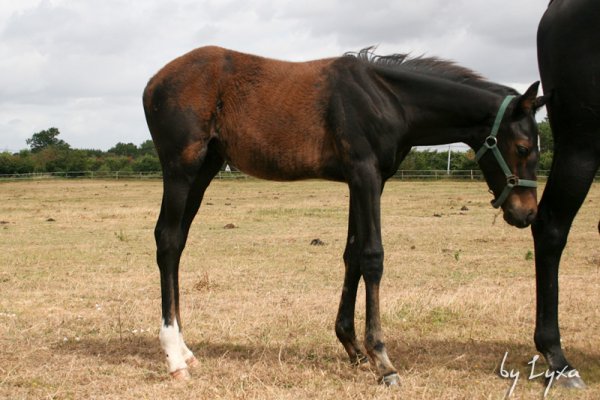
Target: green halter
[491, 143]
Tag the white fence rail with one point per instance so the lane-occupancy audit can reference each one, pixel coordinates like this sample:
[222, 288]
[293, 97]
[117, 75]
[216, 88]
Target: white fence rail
[473, 175]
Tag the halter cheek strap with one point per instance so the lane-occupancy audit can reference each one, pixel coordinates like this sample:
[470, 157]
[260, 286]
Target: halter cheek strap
[491, 143]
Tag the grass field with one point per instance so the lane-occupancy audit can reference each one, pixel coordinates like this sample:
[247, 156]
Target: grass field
[80, 294]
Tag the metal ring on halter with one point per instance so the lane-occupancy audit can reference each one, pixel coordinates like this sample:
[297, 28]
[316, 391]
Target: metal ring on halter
[491, 142]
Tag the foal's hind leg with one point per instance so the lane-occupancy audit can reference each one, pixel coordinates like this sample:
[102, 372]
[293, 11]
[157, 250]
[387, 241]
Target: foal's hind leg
[183, 192]
[572, 173]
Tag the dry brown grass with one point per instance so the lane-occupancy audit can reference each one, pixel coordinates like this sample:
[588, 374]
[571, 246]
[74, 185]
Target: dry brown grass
[80, 298]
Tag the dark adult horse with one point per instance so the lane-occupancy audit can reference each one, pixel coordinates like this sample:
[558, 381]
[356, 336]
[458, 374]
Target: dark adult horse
[569, 61]
[351, 119]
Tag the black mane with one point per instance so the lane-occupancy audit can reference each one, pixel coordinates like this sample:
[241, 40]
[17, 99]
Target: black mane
[431, 66]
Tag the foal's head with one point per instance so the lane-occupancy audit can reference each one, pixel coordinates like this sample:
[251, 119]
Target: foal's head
[509, 157]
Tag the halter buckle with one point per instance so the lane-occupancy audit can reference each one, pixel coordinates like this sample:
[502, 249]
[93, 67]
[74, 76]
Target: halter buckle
[512, 181]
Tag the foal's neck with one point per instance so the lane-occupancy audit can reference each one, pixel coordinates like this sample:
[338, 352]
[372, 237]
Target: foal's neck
[440, 111]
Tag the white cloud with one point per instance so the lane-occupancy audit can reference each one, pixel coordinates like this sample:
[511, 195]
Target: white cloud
[81, 65]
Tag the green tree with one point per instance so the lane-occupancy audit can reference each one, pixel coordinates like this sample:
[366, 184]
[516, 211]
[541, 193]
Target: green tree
[124, 149]
[464, 160]
[15, 163]
[44, 139]
[51, 159]
[546, 138]
[147, 148]
[78, 160]
[146, 163]
[93, 152]
[546, 145]
[117, 163]
[425, 160]
[545, 162]
[408, 164]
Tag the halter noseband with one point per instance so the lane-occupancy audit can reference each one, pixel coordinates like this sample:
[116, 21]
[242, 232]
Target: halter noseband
[491, 143]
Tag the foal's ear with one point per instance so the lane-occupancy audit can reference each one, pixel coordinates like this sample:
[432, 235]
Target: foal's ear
[529, 102]
[540, 102]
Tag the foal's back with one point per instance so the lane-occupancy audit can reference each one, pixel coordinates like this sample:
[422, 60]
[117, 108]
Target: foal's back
[267, 117]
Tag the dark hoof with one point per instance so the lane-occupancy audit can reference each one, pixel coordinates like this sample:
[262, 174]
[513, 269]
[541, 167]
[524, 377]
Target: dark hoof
[392, 379]
[359, 360]
[574, 382]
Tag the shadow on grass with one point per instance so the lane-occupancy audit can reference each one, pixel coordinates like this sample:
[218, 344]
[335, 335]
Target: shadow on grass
[114, 351]
[486, 357]
[481, 357]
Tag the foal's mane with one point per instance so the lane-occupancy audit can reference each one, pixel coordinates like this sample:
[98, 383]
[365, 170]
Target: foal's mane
[430, 66]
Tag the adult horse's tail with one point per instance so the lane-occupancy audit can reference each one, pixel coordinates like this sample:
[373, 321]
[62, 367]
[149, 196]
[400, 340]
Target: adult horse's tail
[181, 103]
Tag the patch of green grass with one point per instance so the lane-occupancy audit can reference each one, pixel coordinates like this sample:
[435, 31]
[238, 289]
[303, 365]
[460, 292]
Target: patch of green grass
[463, 275]
[441, 316]
[457, 255]
[121, 236]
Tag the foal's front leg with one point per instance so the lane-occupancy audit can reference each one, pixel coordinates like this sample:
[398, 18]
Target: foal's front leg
[365, 191]
[344, 323]
[371, 266]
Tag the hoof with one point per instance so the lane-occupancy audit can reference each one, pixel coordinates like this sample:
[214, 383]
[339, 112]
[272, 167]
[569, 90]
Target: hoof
[192, 362]
[359, 360]
[181, 375]
[392, 379]
[574, 382]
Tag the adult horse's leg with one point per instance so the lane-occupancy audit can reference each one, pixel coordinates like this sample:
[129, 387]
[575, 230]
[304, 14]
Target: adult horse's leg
[573, 171]
[365, 191]
[344, 324]
[183, 192]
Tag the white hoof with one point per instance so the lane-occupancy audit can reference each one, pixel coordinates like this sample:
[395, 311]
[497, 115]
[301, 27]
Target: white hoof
[192, 362]
[181, 375]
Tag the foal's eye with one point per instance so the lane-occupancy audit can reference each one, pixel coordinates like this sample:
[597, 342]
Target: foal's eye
[522, 151]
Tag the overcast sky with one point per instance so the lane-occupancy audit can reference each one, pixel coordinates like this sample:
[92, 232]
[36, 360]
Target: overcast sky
[81, 65]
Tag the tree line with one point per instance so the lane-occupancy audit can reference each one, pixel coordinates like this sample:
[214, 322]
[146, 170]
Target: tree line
[48, 153]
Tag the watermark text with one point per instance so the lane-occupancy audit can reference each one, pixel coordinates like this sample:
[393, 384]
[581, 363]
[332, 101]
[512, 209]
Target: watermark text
[535, 373]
